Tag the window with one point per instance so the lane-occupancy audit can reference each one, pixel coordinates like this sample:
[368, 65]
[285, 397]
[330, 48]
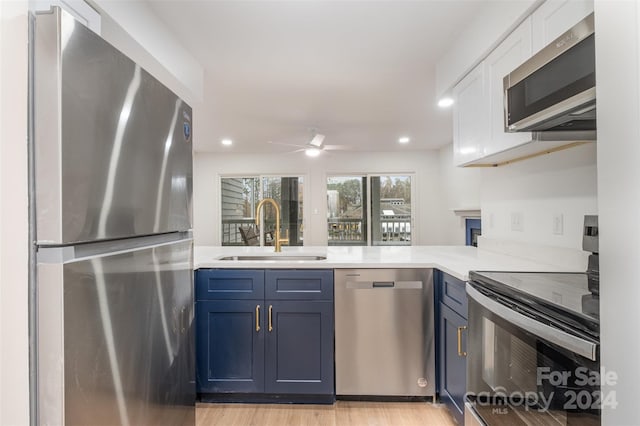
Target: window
[346, 210]
[240, 197]
[369, 210]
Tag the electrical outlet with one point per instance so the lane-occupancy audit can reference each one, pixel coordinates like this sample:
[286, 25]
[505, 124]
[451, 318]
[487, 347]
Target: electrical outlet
[558, 224]
[517, 222]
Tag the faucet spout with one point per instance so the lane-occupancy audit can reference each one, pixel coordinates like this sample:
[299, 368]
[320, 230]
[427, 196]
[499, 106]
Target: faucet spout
[278, 240]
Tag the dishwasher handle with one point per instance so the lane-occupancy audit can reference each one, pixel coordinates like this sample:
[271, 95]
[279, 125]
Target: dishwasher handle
[397, 285]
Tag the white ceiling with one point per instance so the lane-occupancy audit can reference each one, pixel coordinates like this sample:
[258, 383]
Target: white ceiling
[361, 72]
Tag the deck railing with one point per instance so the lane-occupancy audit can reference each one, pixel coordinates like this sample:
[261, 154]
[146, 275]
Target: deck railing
[394, 230]
[346, 232]
[231, 232]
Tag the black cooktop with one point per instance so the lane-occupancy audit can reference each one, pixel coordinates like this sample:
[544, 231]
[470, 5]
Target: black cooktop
[565, 295]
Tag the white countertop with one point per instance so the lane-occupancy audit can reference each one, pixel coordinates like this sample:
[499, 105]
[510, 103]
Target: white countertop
[454, 260]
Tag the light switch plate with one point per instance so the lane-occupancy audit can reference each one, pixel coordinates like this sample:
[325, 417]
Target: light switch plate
[517, 222]
[558, 224]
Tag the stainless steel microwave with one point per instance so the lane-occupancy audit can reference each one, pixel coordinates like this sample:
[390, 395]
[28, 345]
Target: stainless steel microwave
[555, 90]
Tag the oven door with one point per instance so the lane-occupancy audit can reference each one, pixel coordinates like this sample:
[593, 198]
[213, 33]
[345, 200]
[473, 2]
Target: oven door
[521, 371]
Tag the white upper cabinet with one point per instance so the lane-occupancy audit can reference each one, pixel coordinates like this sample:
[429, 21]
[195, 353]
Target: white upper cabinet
[554, 17]
[478, 117]
[512, 52]
[470, 117]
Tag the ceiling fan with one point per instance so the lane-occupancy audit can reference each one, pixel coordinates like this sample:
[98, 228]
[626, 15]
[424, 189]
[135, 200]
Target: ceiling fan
[314, 147]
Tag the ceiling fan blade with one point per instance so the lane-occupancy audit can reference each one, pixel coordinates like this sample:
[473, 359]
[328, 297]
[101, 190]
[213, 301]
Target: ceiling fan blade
[294, 151]
[286, 144]
[337, 147]
[317, 140]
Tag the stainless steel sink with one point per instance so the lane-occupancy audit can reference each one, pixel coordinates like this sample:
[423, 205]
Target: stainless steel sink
[282, 257]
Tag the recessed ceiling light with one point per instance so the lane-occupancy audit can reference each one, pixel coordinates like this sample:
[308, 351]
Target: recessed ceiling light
[445, 102]
[312, 152]
[226, 142]
[404, 139]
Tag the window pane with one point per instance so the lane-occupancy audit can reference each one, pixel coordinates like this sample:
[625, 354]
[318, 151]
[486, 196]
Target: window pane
[287, 191]
[391, 210]
[346, 210]
[239, 199]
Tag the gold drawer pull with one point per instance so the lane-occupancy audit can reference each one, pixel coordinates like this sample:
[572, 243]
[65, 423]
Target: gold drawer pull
[460, 329]
[257, 317]
[270, 319]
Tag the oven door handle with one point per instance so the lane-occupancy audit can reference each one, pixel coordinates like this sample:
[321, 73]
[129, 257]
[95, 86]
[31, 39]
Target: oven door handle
[563, 339]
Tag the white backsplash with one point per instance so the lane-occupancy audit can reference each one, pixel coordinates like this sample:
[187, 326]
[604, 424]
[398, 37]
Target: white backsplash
[569, 258]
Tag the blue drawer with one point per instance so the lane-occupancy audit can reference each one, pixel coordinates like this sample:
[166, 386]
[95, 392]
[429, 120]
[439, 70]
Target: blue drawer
[299, 284]
[225, 284]
[453, 294]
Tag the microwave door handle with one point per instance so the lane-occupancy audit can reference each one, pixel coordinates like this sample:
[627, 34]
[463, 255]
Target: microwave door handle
[565, 340]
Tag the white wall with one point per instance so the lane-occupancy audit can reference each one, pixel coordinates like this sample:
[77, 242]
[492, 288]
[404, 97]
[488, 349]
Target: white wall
[618, 94]
[563, 183]
[208, 167]
[14, 348]
[460, 189]
[540, 188]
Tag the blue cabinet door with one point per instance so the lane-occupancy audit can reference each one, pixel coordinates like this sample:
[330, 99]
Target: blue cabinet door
[299, 347]
[230, 346]
[453, 361]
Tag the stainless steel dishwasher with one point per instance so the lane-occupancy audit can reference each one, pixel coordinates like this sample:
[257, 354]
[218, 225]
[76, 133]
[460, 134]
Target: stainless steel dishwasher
[384, 332]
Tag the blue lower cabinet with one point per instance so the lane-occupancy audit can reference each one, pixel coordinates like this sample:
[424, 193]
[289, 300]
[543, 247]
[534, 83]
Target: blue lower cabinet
[265, 348]
[453, 361]
[230, 354]
[299, 348]
[451, 338]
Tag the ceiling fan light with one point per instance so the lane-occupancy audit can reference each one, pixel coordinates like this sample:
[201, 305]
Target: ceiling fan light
[445, 102]
[312, 152]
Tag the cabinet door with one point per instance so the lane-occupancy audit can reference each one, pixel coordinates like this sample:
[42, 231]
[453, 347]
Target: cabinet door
[554, 17]
[453, 361]
[510, 54]
[470, 117]
[299, 347]
[230, 346]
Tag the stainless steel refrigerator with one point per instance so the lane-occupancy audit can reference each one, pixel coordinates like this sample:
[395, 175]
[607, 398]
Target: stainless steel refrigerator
[111, 176]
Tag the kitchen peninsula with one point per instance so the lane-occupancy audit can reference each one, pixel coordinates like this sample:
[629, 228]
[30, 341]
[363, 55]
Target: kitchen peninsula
[279, 311]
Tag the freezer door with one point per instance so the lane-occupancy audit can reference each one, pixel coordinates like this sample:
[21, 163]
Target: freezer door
[112, 145]
[115, 338]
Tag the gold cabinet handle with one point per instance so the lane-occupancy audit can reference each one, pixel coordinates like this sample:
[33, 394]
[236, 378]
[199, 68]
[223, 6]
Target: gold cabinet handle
[460, 330]
[257, 317]
[270, 315]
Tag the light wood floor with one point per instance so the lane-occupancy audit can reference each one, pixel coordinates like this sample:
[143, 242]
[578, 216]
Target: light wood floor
[339, 414]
